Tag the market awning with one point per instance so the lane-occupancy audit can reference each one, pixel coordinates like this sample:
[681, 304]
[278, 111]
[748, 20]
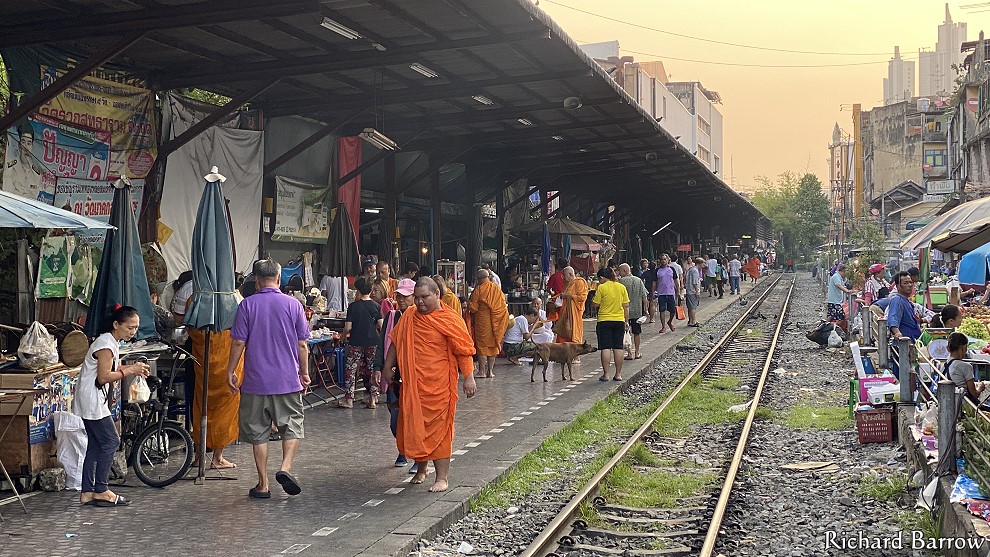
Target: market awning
[21, 212]
[964, 239]
[494, 84]
[584, 243]
[954, 219]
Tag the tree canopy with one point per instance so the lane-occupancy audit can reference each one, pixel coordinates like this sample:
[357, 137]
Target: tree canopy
[798, 211]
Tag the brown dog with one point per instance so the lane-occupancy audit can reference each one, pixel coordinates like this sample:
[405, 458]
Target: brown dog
[563, 353]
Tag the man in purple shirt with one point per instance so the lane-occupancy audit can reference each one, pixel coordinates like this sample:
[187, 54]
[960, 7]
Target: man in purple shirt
[666, 291]
[270, 330]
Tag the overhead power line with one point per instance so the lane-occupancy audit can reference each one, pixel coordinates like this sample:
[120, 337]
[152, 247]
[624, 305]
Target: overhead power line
[718, 63]
[715, 41]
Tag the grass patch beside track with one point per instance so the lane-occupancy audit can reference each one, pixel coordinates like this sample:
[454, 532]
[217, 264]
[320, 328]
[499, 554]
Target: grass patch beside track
[701, 403]
[809, 416]
[884, 487]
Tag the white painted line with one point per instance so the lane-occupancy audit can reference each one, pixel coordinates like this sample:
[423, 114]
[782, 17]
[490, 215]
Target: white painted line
[295, 548]
[506, 424]
[394, 491]
[373, 503]
[525, 413]
[484, 438]
[551, 398]
[516, 418]
[349, 516]
[325, 531]
[534, 407]
[496, 430]
[472, 445]
[407, 480]
[543, 403]
[459, 452]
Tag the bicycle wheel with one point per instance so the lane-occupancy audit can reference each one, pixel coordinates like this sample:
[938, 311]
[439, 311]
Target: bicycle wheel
[162, 454]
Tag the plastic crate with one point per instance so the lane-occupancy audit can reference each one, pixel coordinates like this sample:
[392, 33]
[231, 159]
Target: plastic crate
[875, 426]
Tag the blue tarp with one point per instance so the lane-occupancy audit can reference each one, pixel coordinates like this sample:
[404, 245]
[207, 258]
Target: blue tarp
[973, 266]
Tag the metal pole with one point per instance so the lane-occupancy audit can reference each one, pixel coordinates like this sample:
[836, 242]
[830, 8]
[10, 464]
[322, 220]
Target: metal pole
[201, 474]
[883, 346]
[946, 422]
[904, 368]
[867, 317]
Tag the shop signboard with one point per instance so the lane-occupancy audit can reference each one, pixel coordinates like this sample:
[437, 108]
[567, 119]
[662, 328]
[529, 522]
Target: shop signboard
[934, 198]
[126, 112]
[685, 247]
[53, 268]
[302, 211]
[940, 186]
[41, 150]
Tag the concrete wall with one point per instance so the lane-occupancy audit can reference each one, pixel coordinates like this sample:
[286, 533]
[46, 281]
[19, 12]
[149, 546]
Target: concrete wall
[892, 157]
[651, 94]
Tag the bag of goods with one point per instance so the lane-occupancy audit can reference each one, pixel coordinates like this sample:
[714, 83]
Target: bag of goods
[38, 348]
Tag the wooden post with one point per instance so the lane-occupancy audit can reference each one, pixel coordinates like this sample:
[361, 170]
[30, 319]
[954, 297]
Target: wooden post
[867, 317]
[883, 347]
[904, 369]
[946, 425]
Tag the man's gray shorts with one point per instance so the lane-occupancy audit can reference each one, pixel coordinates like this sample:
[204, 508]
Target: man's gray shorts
[259, 412]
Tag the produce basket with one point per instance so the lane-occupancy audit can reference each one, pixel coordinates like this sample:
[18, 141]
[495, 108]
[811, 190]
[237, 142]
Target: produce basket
[875, 426]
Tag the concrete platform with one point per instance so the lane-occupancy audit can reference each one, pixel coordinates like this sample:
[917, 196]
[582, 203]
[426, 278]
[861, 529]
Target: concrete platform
[354, 501]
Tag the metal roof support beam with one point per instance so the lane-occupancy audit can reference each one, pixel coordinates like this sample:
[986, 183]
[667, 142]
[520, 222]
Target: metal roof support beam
[296, 150]
[218, 114]
[482, 138]
[435, 209]
[81, 70]
[310, 65]
[403, 96]
[361, 168]
[501, 180]
[522, 198]
[46, 29]
[388, 235]
[440, 159]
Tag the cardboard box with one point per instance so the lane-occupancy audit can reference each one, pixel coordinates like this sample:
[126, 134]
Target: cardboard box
[17, 380]
[21, 457]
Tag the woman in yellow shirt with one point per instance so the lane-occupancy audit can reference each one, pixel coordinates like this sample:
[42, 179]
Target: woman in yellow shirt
[612, 300]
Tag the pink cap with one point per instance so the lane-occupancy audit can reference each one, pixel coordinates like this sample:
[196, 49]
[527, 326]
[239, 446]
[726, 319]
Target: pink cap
[406, 287]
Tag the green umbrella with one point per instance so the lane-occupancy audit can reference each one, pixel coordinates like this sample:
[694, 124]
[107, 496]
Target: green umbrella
[213, 300]
[121, 278]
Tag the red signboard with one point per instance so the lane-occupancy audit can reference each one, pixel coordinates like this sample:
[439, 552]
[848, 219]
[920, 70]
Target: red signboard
[684, 247]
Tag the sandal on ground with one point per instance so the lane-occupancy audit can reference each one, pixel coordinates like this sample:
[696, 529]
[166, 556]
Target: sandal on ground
[616, 379]
[603, 378]
[119, 501]
[288, 482]
[639, 357]
[628, 358]
[256, 493]
[695, 325]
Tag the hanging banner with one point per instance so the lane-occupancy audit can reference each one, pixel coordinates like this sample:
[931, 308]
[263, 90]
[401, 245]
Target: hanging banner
[53, 269]
[42, 149]
[302, 211]
[93, 199]
[348, 159]
[124, 111]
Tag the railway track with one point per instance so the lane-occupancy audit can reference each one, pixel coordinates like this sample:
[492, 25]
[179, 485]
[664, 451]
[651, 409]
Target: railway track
[690, 523]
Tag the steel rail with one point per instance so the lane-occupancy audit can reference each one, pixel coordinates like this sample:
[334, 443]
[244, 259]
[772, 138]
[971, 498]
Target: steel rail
[730, 477]
[561, 525]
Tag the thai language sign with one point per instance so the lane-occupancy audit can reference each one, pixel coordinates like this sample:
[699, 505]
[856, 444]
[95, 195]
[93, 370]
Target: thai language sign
[41, 150]
[93, 199]
[302, 211]
[124, 111]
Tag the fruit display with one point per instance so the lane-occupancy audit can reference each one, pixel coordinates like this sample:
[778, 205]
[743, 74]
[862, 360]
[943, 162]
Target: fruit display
[974, 327]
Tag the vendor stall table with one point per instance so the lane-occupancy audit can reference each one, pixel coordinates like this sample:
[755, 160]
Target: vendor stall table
[20, 397]
[325, 367]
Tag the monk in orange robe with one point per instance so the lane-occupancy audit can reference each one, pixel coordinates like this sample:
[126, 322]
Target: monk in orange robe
[429, 346]
[383, 278]
[489, 320]
[221, 404]
[753, 267]
[447, 295]
[574, 296]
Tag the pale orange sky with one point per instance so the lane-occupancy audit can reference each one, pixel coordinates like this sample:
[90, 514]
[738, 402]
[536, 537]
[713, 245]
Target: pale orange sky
[776, 119]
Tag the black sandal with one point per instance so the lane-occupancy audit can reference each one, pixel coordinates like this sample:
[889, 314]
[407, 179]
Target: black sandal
[256, 493]
[119, 501]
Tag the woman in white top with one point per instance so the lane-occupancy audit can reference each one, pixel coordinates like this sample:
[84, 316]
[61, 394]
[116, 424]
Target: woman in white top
[519, 338]
[92, 403]
[182, 289]
[541, 333]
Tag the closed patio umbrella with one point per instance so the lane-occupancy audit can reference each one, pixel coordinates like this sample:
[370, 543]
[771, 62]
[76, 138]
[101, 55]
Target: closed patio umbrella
[213, 303]
[121, 278]
[345, 261]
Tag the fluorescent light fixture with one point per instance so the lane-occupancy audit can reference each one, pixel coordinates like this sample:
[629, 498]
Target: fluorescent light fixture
[558, 138]
[378, 139]
[341, 30]
[483, 100]
[372, 211]
[423, 70]
[526, 122]
[661, 228]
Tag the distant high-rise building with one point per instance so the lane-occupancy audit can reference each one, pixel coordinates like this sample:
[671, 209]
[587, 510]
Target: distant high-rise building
[899, 84]
[935, 73]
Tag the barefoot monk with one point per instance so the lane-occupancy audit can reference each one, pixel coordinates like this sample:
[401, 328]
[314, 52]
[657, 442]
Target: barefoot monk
[430, 345]
[490, 319]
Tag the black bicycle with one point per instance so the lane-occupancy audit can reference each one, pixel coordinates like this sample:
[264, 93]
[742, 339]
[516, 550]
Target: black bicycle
[158, 448]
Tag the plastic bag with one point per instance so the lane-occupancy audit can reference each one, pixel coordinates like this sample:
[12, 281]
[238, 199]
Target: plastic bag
[857, 324]
[139, 391]
[834, 340]
[820, 333]
[38, 348]
[627, 341]
[70, 446]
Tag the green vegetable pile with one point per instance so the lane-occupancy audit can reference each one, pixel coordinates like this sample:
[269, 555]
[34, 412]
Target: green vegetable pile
[974, 328]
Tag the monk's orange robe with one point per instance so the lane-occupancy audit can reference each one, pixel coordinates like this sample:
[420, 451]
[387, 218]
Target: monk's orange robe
[489, 318]
[221, 404]
[753, 267]
[388, 286]
[453, 302]
[577, 289]
[430, 348]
